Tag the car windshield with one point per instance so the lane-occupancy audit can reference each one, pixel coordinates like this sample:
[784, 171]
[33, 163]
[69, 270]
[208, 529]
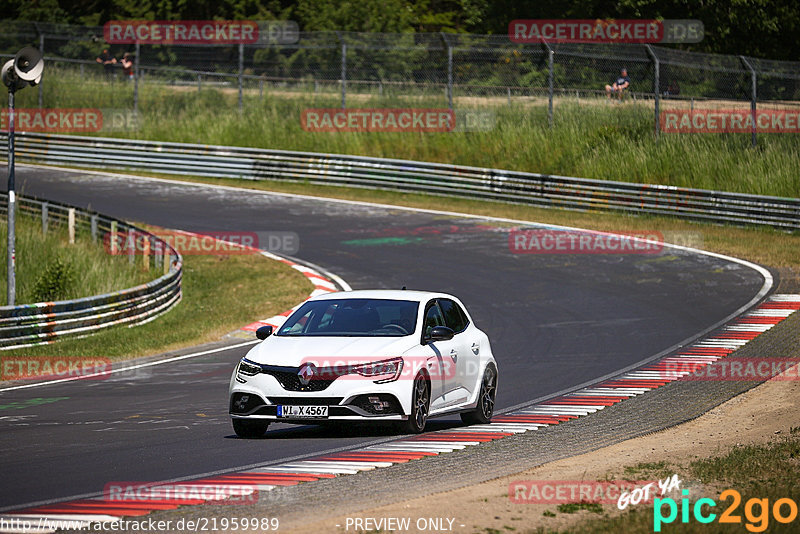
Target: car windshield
[352, 317]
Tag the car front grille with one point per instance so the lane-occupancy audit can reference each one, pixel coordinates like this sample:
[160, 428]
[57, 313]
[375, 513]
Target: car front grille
[288, 379]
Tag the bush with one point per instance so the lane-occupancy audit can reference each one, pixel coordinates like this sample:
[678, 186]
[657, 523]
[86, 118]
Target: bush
[55, 282]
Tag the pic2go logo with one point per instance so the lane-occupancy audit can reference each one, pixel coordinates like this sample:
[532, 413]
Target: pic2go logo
[757, 520]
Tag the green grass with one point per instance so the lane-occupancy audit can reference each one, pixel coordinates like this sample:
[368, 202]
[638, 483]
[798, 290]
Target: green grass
[49, 268]
[220, 294]
[591, 138]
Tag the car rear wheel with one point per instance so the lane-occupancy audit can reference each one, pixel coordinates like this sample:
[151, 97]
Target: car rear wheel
[248, 428]
[485, 408]
[420, 406]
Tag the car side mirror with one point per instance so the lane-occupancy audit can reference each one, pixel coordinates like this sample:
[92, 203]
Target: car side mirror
[264, 332]
[440, 333]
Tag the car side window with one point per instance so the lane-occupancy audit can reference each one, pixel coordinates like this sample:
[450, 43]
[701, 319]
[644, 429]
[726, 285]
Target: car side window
[433, 317]
[454, 316]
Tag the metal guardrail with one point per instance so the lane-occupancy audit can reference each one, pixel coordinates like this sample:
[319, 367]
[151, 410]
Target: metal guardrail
[43, 322]
[409, 176]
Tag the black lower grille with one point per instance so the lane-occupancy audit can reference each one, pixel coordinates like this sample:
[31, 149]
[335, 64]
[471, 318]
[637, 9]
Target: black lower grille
[306, 401]
[389, 404]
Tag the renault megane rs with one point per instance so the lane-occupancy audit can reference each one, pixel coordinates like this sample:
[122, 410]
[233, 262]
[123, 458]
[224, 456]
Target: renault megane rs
[379, 355]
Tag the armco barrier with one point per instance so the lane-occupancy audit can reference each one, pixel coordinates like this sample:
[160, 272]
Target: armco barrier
[408, 176]
[43, 322]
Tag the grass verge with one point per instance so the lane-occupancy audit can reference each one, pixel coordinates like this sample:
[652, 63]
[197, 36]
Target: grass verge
[590, 138]
[49, 268]
[220, 294]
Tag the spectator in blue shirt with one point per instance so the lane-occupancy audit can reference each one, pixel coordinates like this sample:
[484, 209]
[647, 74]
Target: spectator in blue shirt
[622, 83]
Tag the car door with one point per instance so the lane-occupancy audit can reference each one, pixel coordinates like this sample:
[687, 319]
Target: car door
[438, 353]
[463, 355]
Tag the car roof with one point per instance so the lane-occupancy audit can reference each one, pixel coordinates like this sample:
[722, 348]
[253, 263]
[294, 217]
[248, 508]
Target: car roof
[387, 294]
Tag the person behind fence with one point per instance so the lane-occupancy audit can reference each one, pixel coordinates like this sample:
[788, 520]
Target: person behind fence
[127, 66]
[107, 61]
[622, 83]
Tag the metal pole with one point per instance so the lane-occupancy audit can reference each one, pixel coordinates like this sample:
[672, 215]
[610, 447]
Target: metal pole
[656, 85]
[549, 86]
[753, 86]
[344, 74]
[449, 90]
[41, 49]
[136, 80]
[241, 71]
[12, 283]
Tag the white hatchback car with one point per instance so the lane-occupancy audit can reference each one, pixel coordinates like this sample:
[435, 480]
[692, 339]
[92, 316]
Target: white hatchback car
[380, 355]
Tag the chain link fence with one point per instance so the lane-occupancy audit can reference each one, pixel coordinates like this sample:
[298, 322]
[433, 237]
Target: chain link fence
[458, 68]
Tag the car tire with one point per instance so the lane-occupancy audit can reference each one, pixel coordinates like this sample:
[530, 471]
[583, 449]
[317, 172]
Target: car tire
[420, 405]
[248, 428]
[482, 414]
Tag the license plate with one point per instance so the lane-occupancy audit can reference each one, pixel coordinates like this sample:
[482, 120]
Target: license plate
[315, 412]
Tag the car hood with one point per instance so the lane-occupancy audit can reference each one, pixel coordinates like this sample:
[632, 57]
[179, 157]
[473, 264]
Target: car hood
[293, 351]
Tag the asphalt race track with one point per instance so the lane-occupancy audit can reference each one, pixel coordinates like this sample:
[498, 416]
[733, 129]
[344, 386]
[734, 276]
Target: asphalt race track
[555, 321]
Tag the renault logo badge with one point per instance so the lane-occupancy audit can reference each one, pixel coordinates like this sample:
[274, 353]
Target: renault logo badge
[306, 373]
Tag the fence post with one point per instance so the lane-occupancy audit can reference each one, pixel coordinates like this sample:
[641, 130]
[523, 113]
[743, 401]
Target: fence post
[44, 218]
[136, 79]
[71, 225]
[158, 256]
[241, 71]
[449, 90]
[753, 86]
[41, 49]
[344, 69]
[549, 83]
[94, 227]
[656, 85]
[146, 253]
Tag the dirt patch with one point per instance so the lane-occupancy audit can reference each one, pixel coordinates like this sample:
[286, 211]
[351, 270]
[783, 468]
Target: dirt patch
[758, 416]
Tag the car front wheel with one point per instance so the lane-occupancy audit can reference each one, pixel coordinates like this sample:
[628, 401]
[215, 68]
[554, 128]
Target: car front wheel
[420, 405]
[485, 408]
[248, 428]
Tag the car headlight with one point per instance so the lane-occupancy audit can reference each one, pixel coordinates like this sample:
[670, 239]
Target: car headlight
[248, 368]
[392, 367]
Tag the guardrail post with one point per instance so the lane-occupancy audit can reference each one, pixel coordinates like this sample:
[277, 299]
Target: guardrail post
[71, 225]
[44, 218]
[241, 71]
[136, 79]
[146, 253]
[753, 87]
[113, 238]
[656, 69]
[157, 247]
[93, 220]
[131, 244]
